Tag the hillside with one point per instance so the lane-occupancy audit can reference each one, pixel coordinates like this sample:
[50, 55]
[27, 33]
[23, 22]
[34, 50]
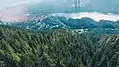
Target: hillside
[59, 33]
[57, 22]
[58, 48]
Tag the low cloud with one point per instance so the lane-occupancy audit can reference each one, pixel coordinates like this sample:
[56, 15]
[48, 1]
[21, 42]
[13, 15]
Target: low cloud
[14, 14]
[16, 11]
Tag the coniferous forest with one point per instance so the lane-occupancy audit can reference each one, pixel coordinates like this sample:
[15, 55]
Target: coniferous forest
[57, 48]
[59, 33]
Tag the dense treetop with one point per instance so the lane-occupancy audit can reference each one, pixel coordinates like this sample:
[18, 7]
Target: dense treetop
[57, 48]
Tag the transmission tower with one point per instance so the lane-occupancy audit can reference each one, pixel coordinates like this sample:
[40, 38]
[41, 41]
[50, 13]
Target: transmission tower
[77, 5]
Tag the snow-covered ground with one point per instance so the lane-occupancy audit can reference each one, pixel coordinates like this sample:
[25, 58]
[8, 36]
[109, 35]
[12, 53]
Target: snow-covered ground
[94, 15]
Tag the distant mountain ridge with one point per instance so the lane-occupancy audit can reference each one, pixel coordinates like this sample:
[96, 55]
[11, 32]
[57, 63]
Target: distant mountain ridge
[56, 22]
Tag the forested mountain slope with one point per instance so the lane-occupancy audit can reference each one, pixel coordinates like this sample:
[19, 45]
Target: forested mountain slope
[57, 48]
[57, 22]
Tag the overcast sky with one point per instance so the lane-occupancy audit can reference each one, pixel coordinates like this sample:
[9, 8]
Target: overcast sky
[87, 5]
[10, 3]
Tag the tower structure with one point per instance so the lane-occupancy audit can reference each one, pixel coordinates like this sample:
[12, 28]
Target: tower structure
[76, 5]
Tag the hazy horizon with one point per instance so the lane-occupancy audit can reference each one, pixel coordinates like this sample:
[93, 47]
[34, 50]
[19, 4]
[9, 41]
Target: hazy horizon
[17, 9]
